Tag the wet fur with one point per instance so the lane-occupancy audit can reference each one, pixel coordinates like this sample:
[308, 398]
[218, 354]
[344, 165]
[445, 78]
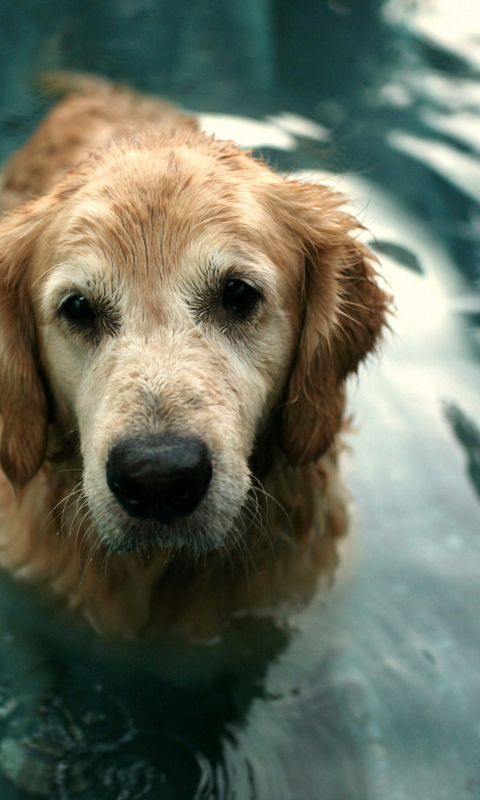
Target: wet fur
[120, 192]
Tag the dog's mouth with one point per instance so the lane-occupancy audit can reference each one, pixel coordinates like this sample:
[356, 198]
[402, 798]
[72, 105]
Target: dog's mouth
[150, 538]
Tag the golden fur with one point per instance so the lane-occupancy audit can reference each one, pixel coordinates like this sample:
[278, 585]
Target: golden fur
[119, 195]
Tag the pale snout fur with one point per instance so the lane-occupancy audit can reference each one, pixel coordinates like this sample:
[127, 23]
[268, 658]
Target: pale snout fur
[128, 240]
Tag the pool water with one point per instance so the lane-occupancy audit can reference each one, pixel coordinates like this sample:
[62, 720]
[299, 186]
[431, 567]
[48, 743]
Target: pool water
[373, 691]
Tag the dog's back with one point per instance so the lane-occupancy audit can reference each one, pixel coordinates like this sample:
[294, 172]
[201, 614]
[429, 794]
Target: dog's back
[93, 114]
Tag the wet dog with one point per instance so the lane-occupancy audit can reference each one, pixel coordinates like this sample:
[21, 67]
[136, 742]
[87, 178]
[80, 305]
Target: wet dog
[177, 323]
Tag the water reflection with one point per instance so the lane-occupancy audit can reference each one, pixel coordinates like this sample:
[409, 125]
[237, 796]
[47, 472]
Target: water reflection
[257, 714]
[401, 255]
[468, 434]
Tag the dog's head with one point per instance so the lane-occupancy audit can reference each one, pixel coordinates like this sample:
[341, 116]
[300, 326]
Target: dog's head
[170, 302]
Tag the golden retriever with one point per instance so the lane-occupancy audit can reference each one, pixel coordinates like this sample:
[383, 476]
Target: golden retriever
[177, 322]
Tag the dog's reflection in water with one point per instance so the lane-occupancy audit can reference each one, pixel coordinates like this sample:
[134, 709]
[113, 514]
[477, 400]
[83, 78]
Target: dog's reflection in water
[170, 719]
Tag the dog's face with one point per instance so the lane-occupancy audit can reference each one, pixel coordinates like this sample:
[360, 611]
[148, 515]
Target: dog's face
[169, 298]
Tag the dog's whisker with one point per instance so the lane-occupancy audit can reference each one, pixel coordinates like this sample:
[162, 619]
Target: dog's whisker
[258, 487]
[83, 514]
[66, 502]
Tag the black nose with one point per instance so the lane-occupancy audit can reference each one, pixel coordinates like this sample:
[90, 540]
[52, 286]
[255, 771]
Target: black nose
[159, 477]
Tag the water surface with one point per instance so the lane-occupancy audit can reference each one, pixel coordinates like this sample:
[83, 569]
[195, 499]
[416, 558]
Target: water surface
[373, 691]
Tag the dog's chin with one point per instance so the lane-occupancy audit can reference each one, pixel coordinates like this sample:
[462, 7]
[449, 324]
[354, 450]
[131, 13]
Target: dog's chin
[193, 534]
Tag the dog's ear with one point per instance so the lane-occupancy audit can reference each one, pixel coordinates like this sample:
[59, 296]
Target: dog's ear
[342, 312]
[23, 402]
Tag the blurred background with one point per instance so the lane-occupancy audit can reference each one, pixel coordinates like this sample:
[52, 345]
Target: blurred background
[373, 693]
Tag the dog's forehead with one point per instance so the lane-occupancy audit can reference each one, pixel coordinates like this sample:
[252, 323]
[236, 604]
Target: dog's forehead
[155, 216]
[162, 205]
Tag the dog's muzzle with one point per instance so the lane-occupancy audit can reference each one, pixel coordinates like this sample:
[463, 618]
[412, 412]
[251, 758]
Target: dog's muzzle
[159, 477]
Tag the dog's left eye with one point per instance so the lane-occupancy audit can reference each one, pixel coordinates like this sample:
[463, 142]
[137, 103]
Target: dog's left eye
[78, 310]
[240, 297]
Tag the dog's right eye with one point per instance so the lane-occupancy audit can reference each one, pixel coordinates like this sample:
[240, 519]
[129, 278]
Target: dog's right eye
[239, 297]
[78, 310]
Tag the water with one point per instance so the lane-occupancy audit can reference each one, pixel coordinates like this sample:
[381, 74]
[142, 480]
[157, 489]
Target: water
[373, 691]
